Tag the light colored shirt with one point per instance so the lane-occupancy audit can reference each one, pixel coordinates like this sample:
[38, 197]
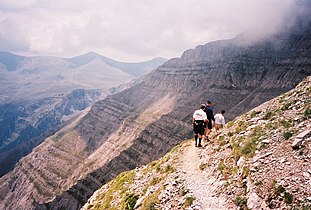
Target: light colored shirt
[199, 115]
[219, 119]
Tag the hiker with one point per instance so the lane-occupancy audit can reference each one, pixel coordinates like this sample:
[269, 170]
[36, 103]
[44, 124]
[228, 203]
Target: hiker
[219, 121]
[198, 122]
[210, 116]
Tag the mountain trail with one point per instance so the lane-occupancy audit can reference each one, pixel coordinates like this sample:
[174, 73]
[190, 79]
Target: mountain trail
[201, 185]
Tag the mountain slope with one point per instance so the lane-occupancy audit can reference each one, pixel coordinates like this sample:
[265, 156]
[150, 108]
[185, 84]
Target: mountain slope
[134, 69]
[39, 94]
[25, 78]
[251, 164]
[144, 122]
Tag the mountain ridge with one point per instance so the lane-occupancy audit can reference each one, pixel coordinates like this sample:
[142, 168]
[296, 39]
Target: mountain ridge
[229, 172]
[33, 89]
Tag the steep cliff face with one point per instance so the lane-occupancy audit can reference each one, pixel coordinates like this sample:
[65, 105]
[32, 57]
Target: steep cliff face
[144, 122]
[26, 124]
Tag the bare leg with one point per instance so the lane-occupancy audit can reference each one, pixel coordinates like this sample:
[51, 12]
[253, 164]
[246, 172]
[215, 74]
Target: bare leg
[208, 131]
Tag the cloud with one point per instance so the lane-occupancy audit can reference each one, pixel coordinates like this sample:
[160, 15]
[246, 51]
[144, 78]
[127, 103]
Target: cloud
[127, 30]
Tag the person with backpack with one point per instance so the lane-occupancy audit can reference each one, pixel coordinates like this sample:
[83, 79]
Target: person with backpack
[210, 116]
[198, 122]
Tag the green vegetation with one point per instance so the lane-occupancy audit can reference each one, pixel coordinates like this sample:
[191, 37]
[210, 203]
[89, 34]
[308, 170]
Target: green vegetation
[307, 112]
[250, 147]
[226, 184]
[306, 207]
[152, 206]
[288, 197]
[254, 113]
[155, 180]
[118, 185]
[258, 183]
[202, 166]
[230, 134]
[151, 200]
[188, 202]
[281, 192]
[242, 125]
[240, 201]
[227, 169]
[286, 123]
[130, 201]
[169, 169]
[268, 115]
[230, 124]
[287, 134]
[287, 105]
[221, 166]
[245, 147]
[221, 142]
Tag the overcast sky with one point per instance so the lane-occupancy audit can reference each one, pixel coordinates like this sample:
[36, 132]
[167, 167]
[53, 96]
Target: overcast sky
[132, 30]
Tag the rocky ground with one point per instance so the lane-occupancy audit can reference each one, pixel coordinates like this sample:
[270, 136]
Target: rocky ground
[261, 160]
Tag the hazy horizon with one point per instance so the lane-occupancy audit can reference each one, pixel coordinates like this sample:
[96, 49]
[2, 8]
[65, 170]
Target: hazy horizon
[133, 32]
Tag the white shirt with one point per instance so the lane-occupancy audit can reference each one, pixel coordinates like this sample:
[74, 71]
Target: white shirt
[219, 119]
[199, 115]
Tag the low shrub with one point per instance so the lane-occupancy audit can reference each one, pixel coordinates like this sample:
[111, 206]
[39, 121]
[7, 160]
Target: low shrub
[130, 201]
[188, 202]
[288, 197]
[287, 134]
[307, 112]
[240, 201]
[268, 115]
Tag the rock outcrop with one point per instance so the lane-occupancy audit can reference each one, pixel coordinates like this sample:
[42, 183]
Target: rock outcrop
[144, 122]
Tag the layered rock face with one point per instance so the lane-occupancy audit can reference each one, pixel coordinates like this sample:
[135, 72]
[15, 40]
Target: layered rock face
[26, 124]
[140, 124]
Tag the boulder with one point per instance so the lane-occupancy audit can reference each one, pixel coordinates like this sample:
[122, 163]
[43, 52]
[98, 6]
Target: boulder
[300, 138]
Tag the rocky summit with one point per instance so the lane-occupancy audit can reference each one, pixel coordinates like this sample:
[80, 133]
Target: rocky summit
[142, 123]
[254, 163]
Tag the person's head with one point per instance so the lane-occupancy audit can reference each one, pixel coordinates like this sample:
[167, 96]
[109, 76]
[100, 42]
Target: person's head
[208, 103]
[202, 106]
[223, 112]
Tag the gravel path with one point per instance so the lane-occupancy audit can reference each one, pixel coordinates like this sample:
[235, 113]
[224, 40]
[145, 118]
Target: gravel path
[200, 184]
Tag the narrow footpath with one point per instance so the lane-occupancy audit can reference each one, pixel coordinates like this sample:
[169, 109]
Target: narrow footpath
[201, 184]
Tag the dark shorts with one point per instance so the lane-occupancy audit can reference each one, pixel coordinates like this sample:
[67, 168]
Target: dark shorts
[208, 125]
[198, 127]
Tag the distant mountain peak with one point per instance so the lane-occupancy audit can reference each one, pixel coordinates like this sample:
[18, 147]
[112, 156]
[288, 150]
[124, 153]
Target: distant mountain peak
[91, 54]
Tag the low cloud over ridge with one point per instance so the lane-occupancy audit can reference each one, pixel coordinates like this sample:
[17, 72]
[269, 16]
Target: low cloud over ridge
[132, 31]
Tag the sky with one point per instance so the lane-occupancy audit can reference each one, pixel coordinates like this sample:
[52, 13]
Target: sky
[128, 30]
